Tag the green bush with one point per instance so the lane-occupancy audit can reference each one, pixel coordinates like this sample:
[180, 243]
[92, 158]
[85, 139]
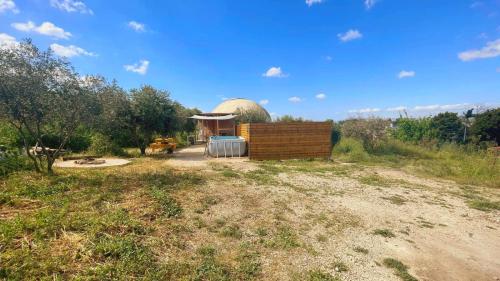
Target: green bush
[103, 145]
[13, 161]
[351, 150]
[413, 130]
[447, 127]
[368, 131]
[398, 148]
[336, 134]
[9, 137]
[486, 126]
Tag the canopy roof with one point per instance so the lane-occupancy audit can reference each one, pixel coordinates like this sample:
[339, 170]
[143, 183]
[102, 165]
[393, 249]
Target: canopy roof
[221, 117]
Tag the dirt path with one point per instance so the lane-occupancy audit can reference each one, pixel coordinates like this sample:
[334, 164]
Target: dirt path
[334, 217]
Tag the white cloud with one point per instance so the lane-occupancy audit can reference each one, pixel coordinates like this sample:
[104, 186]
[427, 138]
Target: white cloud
[431, 107]
[264, 102]
[369, 4]
[443, 107]
[406, 74]
[141, 67]
[364, 110]
[312, 2]
[46, 28]
[295, 99]
[7, 41]
[71, 6]
[328, 58]
[275, 72]
[491, 50]
[8, 5]
[351, 34]
[137, 26]
[26, 27]
[321, 96]
[69, 51]
[397, 108]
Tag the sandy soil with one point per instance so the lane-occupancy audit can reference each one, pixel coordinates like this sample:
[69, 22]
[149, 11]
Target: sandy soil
[109, 163]
[193, 157]
[436, 234]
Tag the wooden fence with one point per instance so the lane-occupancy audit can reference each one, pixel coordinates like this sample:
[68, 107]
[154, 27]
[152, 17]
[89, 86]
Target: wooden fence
[276, 141]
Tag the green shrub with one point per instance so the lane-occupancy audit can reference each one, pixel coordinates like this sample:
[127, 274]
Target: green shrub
[103, 145]
[486, 126]
[336, 134]
[350, 149]
[447, 127]
[400, 269]
[13, 161]
[368, 131]
[413, 130]
[9, 137]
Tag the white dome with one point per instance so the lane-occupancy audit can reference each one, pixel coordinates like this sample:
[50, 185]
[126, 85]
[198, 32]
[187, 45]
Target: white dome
[235, 105]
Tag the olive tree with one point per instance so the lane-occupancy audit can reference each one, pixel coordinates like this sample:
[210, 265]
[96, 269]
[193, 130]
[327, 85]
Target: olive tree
[115, 113]
[41, 94]
[153, 112]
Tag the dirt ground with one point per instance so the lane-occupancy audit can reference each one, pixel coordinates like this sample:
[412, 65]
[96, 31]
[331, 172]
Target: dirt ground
[110, 162]
[335, 211]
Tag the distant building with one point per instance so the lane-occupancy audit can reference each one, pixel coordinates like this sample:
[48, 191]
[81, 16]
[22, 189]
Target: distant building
[236, 105]
[221, 121]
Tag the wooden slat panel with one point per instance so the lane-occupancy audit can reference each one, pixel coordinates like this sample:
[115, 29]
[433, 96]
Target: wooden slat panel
[274, 141]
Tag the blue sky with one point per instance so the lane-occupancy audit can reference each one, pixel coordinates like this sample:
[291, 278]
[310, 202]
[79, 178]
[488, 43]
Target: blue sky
[317, 58]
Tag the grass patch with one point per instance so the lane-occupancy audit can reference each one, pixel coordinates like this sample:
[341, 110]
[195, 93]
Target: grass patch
[261, 177]
[206, 202]
[249, 265]
[396, 199]
[209, 268]
[483, 204]
[340, 266]
[321, 238]
[384, 233]
[232, 231]
[83, 225]
[361, 250]
[400, 269]
[169, 206]
[285, 238]
[230, 174]
[460, 163]
[319, 275]
[375, 180]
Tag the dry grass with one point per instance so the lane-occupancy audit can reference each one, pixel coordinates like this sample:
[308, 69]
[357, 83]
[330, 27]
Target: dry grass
[148, 220]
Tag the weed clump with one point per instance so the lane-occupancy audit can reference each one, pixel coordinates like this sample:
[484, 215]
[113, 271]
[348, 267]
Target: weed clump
[362, 250]
[400, 269]
[384, 233]
[319, 275]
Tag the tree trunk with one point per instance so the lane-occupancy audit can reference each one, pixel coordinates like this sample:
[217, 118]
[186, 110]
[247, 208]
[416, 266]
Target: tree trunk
[143, 150]
[50, 162]
[32, 157]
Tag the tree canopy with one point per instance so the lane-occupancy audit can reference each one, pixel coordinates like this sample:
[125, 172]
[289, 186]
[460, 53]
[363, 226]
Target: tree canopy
[42, 95]
[486, 126]
[447, 127]
[152, 113]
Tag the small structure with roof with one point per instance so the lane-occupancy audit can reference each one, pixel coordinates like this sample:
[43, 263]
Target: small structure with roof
[260, 140]
[221, 121]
